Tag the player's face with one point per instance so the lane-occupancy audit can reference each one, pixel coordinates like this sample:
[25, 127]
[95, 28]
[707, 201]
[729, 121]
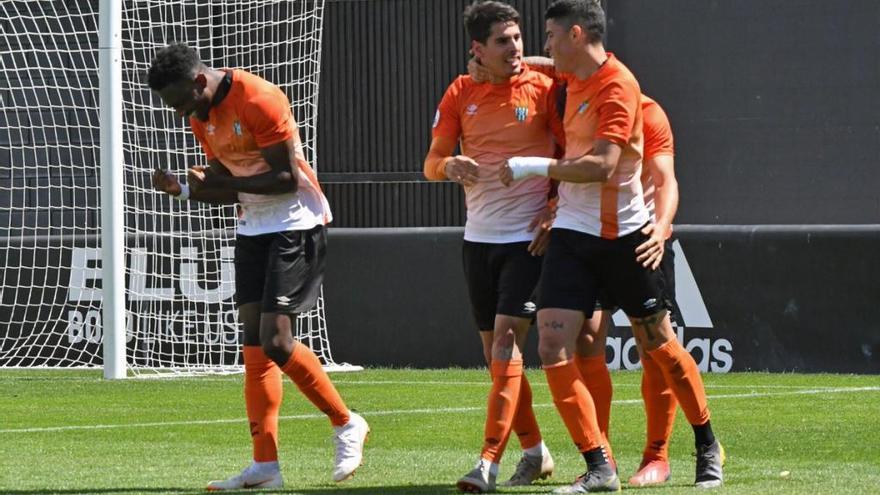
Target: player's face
[187, 98]
[502, 53]
[559, 45]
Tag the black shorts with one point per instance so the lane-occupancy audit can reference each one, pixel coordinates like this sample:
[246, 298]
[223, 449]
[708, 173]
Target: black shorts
[501, 279]
[578, 266]
[282, 270]
[667, 281]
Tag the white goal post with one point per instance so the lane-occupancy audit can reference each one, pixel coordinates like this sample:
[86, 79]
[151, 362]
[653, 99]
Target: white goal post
[97, 269]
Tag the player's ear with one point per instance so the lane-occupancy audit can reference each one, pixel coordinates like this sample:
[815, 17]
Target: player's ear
[477, 49]
[201, 81]
[576, 32]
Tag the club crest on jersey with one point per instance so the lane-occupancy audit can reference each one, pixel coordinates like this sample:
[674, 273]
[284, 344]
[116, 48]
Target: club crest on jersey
[471, 109]
[236, 127]
[211, 128]
[522, 112]
[583, 107]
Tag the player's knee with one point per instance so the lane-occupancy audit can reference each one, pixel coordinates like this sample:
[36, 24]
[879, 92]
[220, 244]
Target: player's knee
[277, 348]
[551, 350]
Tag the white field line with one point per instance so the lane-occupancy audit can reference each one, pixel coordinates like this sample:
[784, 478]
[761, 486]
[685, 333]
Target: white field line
[337, 381]
[395, 412]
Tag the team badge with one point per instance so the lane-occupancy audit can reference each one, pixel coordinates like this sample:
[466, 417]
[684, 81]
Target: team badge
[236, 127]
[211, 128]
[521, 113]
[471, 109]
[583, 107]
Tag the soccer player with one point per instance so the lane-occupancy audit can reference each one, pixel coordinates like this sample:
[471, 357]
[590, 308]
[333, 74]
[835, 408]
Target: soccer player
[255, 158]
[511, 114]
[593, 242]
[658, 180]
[661, 199]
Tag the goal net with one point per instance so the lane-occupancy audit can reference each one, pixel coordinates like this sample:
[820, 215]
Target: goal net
[179, 271]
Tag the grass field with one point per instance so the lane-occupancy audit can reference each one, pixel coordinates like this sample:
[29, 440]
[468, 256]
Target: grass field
[72, 432]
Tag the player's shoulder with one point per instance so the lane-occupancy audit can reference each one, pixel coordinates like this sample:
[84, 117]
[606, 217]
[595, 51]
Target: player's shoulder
[251, 86]
[653, 113]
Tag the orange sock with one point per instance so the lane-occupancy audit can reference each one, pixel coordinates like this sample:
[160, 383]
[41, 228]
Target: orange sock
[306, 372]
[525, 424]
[660, 407]
[574, 404]
[596, 377]
[594, 373]
[683, 377]
[262, 398]
[503, 398]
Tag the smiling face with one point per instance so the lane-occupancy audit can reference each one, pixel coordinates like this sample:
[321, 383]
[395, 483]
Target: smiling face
[188, 97]
[560, 45]
[503, 50]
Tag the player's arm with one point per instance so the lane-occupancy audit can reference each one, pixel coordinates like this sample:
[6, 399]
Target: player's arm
[441, 165]
[662, 170]
[544, 65]
[596, 166]
[166, 182]
[279, 179]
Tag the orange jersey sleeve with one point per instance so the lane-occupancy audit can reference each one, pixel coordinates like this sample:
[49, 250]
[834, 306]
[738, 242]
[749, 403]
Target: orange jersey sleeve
[447, 120]
[618, 106]
[267, 116]
[657, 130]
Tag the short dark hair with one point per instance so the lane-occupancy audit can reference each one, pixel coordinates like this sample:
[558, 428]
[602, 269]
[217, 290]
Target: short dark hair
[172, 64]
[588, 14]
[479, 17]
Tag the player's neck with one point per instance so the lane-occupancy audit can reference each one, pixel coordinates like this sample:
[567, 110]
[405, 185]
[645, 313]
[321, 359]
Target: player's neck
[214, 77]
[591, 59]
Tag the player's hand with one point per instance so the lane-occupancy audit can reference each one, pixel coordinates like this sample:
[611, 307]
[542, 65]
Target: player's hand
[165, 181]
[197, 178]
[462, 169]
[477, 71]
[650, 252]
[543, 221]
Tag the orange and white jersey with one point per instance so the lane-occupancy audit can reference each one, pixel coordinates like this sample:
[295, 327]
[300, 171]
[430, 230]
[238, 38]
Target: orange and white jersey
[253, 115]
[658, 142]
[495, 122]
[604, 106]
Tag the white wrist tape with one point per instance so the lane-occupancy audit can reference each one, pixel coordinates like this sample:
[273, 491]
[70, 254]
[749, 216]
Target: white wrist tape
[524, 166]
[184, 193]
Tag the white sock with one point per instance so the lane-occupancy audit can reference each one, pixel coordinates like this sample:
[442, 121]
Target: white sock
[267, 467]
[493, 467]
[537, 450]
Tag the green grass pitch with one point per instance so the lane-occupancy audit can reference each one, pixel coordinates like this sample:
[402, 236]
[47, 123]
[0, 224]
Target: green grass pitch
[72, 432]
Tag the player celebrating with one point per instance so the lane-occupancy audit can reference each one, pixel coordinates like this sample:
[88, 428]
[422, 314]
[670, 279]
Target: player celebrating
[661, 199]
[594, 238]
[509, 115]
[255, 158]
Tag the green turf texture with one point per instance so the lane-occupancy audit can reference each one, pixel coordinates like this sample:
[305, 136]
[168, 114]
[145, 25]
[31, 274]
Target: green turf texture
[73, 432]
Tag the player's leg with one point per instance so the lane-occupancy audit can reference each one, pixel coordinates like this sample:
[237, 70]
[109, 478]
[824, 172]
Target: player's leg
[535, 462]
[590, 360]
[516, 311]
[262, 377]
[639, 292]
[659, 401]
[567, 292]
[292, 285]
